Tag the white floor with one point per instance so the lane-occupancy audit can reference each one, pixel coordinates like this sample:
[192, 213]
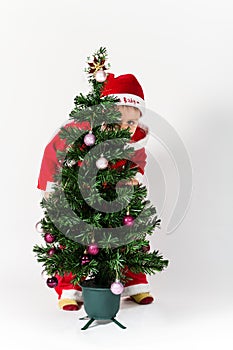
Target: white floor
[181, 53]
[193, 307]
[31, 320]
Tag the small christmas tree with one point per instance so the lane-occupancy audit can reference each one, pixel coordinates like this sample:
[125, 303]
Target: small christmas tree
[95, 224]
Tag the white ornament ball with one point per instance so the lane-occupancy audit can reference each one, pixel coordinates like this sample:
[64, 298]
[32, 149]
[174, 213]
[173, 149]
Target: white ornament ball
[117, 287]
[70, 162]
[101, 163]
[100, 76]
[89, 139]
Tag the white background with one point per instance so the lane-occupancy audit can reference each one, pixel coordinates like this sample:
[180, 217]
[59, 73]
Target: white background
[181, 51]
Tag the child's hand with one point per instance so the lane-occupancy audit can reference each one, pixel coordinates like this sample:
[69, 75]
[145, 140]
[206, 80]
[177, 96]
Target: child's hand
[132, 182]
[46, 195]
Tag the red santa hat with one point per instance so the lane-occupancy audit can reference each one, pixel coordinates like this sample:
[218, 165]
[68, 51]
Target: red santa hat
[126, 88]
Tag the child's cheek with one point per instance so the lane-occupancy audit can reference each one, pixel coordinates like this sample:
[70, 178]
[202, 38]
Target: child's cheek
[133, 129]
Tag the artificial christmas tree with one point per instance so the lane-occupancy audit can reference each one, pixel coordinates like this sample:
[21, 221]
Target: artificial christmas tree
[97, 218]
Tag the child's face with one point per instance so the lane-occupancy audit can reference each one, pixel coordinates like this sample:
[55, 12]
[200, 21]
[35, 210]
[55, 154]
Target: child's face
[129, 117]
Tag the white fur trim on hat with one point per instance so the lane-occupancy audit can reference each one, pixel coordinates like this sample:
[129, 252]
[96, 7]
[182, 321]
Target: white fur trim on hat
[130, 100]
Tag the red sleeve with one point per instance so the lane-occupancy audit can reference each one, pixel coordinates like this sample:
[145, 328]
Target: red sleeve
[50, 164]
[138, 135]
[139, 158]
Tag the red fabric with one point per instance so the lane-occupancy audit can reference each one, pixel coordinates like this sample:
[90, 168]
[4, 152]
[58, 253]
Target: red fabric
[138, 135]
[124, 84]
[50, 163]
[139, 160]
[64, 283]
[147, 300]
[136, 278]
[71, 307]
[139, 157]
[48, 169]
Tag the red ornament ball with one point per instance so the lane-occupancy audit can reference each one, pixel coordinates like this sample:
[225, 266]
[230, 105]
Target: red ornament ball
[145, 248]
[93, 249]
[85, 259]
[117, 287]
[52, 282]
[100, 76]
[128, 220]
[89, 139]
[49, 238]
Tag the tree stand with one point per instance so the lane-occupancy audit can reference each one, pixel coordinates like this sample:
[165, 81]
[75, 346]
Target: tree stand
[92, 320]
[100, 304]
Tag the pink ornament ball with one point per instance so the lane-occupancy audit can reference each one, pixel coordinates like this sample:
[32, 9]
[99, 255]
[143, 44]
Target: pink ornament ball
[49, 238]
[128, 220]
[146, 248]
[89, 139]
[52, 282]
[117, 287]
[93, 249]
[101, 163]
[85, 259]
[51, 251]
[100, 76]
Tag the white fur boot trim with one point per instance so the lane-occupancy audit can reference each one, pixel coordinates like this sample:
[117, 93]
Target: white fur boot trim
[136, 289]
[72, 294]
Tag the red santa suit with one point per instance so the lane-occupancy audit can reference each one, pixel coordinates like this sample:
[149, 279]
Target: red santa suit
[128, 91]
[66, 290]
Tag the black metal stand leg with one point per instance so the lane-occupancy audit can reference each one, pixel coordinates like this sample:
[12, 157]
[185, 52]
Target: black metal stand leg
[84, 318]
[118, 323]
[88, 324]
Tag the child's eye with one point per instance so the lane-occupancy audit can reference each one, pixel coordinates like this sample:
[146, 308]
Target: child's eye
[130, 122]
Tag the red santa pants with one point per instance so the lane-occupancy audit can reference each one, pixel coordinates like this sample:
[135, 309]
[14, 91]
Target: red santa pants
[136, 284]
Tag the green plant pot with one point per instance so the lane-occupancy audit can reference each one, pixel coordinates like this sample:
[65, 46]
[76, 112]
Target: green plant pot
[100, 303]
